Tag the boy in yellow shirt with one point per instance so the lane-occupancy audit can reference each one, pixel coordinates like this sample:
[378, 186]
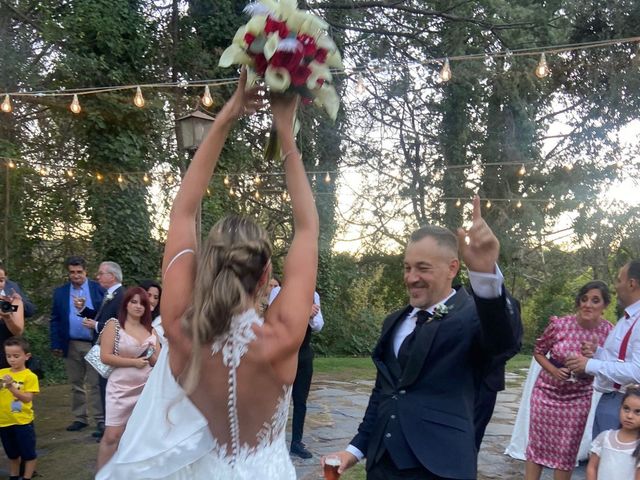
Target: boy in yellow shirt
[18, 385]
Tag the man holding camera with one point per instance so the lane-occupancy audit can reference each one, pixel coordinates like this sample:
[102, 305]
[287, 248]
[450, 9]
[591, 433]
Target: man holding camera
[9, 287]
[11, 316]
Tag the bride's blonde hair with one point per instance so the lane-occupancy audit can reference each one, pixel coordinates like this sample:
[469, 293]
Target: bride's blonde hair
[230, 263]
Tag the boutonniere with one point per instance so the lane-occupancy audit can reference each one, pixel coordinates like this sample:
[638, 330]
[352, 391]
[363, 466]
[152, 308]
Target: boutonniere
[108, 297]
[439, 312]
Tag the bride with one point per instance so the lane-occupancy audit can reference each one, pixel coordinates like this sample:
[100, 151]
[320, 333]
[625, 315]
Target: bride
[216, 405]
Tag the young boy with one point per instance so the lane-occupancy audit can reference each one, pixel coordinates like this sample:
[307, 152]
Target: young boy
[18, 384]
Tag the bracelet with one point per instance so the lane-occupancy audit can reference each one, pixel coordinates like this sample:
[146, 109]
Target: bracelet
[286, 155]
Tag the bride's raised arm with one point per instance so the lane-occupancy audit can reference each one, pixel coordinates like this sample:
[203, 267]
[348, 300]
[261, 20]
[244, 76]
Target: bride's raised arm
[288, 315]
[178, 280]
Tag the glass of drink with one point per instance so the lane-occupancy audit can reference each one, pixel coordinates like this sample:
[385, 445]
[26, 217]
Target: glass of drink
[331, 464]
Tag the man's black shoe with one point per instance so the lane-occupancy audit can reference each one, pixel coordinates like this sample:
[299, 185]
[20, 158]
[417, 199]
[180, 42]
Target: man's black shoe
[76, 426]
[299, 449]
[99, 430]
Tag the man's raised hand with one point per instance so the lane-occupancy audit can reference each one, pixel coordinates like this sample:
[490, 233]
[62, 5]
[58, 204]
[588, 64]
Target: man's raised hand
[479, 247]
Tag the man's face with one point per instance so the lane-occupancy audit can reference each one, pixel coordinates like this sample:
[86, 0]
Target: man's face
[77, 275]
[3, 279]
[105, 278]
[623, 287]
[429, 270]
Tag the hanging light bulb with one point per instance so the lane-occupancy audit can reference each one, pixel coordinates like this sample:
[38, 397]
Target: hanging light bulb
[208, 191]
[488, 203]
[569, 167]
[519, 204]
[231, 192]
[257, 195]
[284, 196]
[75, 105]
[99, 176]
[226, 180]
[458, 203]
[11, 164]
[327, 178]
[522, 170]
[70, 173]
[256, 180]
[120, 178]
[550, 205]
[542, 70]
[207, 100]
[6, 105]
[581, 205]
[360, 88]
[138, 99]
[170, 179]
[445, 73]
[145, 178]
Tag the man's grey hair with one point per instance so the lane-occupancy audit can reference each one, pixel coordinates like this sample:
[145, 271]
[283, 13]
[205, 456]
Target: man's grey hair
[113, 267]
[443, 237]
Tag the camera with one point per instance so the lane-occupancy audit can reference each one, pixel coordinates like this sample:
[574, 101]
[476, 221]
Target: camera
[7, 307]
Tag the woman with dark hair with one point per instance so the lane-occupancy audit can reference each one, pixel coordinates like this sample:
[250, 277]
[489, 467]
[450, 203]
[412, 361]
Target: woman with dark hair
[560, 402]
[154, 291]
[127, 343]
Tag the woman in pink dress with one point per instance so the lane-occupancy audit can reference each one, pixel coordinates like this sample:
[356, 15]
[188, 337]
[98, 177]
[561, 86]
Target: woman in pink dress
[560, 402]
[137, 352]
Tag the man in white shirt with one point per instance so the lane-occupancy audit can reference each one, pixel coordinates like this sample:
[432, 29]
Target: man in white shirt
[302, 383]
[617, 363]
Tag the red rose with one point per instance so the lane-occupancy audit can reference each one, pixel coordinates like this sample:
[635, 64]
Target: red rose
[309, 46]
[321, 55]
[273, 25]
[300, 75]
[249, 38]
[320, 82]
[288, 60]
[261, 64]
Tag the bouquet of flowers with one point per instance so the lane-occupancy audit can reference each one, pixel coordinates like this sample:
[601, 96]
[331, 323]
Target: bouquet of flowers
[290, 49]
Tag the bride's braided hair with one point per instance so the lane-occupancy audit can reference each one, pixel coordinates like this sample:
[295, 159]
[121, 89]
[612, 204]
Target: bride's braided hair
[230, 263]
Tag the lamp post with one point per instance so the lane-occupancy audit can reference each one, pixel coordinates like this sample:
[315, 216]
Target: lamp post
[190, 131]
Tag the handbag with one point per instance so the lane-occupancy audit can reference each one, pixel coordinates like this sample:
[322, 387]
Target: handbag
[93, 355]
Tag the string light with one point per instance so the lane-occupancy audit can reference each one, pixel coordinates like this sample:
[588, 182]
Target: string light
[170, 179]
[208, 191]
[226, 180]
[6, 105]
[145, 179]
[120, 179]
[569, 167]
[284, 196]
[99, 177]
[581, 205]
[207, 100]
[522, 170]
[257, 195]
[43, 171]
[138, 99]
[231, 192]
[519, 204]
[542, 70]
[445, 73]
[327, 178]
[549, 205]
[11, 164]
[256, 180]
[458, 203]
[70, 173]
[75, 105]
[488, 203]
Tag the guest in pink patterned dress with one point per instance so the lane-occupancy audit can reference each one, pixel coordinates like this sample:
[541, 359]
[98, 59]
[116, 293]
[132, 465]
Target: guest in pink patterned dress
[560, 402]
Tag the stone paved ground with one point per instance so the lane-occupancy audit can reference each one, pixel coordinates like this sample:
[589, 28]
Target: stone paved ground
[335, 409]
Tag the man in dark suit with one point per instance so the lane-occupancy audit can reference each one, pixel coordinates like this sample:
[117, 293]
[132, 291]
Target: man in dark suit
[419, 421]
[109, 277]
[71, 339]
[491, 382]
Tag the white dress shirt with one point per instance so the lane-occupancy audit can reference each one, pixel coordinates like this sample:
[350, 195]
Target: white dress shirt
[605, 366]
[317, 321]
[485, 285]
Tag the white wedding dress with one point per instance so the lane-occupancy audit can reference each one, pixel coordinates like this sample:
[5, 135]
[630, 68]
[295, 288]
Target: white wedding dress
[168, 438]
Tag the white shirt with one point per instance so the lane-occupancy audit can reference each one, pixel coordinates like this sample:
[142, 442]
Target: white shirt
[485, 285]
[317, 321]
[605, 366]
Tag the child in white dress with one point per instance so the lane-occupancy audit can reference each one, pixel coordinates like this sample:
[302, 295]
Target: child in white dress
[615, 454]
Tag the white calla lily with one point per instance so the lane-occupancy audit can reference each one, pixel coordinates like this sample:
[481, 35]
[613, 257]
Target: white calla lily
[272, 45]
[334, 60]
[286, 8]
[234, 55]
[256, 25]
[252, 78]
[238, 38]
[277, 78]
[295, 20]
[318, 71]
[327, 97]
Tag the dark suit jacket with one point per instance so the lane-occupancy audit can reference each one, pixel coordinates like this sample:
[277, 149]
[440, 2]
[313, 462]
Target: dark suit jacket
[29, 306]
[428, 407]
[109, 309]
[59, 323]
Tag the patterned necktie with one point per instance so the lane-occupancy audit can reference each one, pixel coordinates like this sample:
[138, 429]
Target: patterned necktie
[407, 345]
